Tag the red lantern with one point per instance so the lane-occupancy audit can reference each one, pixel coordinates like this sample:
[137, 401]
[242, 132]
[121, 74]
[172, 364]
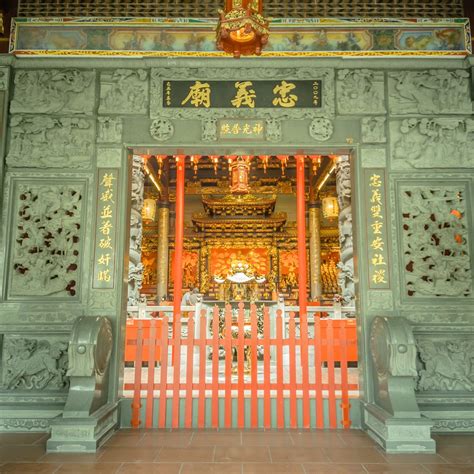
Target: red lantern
[242, 29]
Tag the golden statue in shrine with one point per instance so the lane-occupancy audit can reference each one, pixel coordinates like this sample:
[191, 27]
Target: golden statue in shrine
[241, 283]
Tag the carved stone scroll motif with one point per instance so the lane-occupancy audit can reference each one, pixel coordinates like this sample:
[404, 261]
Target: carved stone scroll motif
[321, 129]
[429, 92]
[109, 130]
[433, 143]
[435, 241]
[135, 271]
[34, 364]
[125, 91]
[47, 243]
[344, 198]
[373, 130]
[47, 91]
[360, 91]
[45, 142]
[446, 365]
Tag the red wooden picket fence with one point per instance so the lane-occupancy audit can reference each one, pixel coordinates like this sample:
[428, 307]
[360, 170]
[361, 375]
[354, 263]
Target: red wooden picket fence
[298, 387]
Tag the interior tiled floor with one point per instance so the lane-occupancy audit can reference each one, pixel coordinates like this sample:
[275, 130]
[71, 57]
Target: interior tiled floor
[234, 451]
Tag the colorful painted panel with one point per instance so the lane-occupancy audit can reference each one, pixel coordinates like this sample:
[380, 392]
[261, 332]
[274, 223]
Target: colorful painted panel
[220, 259]
[190, 269]
[309, 37]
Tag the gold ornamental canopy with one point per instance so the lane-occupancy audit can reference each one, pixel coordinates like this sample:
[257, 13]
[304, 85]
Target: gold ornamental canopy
[242, 29]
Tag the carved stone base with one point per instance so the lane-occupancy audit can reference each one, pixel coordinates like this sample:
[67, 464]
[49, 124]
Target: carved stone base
[398, 435]
[448, 421]
[27, 419]
[84, 435]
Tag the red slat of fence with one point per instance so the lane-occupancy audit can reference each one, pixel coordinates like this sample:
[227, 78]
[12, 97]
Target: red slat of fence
[318, 379]
[240, 368]
[151, 375]
[136, 405]
[202, 371]
[176, 368]
[304, 368]
[267, 413]
[188, 414]
[331, 381]
[215, 368]
[228, 366]
[292, 369]
[163, 372]
[253, 357]
[279, 370]
[345, 404]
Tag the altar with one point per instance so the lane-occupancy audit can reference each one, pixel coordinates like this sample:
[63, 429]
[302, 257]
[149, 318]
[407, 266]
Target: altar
[240, 284]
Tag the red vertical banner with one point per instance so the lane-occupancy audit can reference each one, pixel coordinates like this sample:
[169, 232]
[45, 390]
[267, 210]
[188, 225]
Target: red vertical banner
[302, 297]
[164, 346]
[136, 405]
[178, 283]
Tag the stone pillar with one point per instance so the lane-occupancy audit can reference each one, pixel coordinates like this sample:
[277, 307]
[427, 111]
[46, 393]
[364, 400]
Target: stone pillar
[344, 199]
[135, 271]
[315, 251]
[162, 266]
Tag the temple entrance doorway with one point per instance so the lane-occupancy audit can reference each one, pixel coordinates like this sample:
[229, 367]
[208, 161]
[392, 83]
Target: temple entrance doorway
[241, 292]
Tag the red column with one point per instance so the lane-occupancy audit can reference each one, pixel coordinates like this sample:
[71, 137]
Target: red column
[178, 238]
[301, 229]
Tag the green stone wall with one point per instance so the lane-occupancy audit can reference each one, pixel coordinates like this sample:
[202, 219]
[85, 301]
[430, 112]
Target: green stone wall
[408, 121]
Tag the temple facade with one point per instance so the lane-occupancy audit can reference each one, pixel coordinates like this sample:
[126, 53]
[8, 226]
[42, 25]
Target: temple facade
[241, 161]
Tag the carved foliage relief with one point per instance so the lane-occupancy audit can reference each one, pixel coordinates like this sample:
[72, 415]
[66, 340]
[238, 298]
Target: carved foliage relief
[433, 143]
[34, 364]
[124, 91]
[45, 142]
[360, 91]
[429, 92]
[47, 91]
[45, 254]
[435, 241]
[445, 365]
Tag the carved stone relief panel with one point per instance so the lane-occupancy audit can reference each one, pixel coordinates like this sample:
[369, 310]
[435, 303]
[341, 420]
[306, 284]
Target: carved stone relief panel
[432, 143]
[40, 141]
[326, 75]
[380, 300]
[124, 91]
[435, 237]
[321, 129]
[445, 364]
[53, 91]
[47, 243]
[360, 91]
[162, 129]
[373, 130]
[3, 78]
[34, 363]
[434, 91]
[109, 130]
